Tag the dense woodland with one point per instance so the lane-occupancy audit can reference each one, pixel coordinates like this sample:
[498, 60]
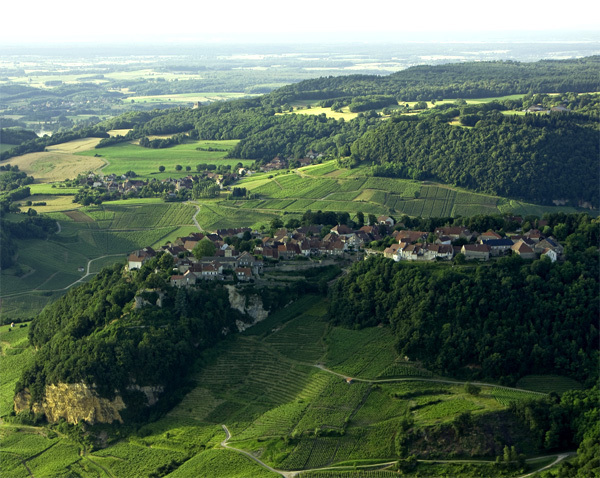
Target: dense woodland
[514, 156]
[465, 321]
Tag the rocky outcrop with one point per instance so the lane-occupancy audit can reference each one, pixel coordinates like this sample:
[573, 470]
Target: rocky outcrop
[73, 402]
[250, 305]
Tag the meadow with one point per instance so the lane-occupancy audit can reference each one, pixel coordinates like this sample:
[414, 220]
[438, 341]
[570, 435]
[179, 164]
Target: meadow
[95, 235]
[124, 157]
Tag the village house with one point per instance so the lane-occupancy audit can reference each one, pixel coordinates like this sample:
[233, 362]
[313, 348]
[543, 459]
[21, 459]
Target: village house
[243, 274]
[247, 260]
[136, 259]
[480, 252]
[497, 246]
[390, 252]
[454, 232]
[522, 249]
[411, 236]
[386, 221]
[548, 243]
[488, 235]
[185, 280]
[550, 254]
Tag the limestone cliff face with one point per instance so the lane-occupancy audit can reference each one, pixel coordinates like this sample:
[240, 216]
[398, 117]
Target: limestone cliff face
[73, 402]
[250, 305]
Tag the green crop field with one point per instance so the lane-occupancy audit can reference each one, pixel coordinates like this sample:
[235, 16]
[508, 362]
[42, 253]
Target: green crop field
[145, 161]
[327, 188]
[101, 234]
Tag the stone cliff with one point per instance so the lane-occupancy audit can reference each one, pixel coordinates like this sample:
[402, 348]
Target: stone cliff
[73, 402]
[250, 305]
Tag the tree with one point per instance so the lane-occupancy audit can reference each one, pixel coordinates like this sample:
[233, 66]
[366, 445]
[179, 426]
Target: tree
[360, 219]
[188, 168]
[161, 169]
[179, 167]
[204, 248]
[472, 389]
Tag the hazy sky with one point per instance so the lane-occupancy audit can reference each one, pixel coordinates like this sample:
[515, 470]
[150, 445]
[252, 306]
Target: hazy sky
[309, 20]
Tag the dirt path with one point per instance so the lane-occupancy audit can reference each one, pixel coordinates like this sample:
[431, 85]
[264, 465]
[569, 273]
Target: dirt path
[422, 379]
[194, 218]
[224, 444]
[84, 455]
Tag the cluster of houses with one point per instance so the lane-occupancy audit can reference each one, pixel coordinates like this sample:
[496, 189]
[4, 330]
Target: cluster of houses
[281, 163]
[417, 246]
[125, 185]
[444, 243]
[225, 262]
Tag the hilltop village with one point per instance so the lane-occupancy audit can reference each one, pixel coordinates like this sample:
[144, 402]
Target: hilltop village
[243, 254]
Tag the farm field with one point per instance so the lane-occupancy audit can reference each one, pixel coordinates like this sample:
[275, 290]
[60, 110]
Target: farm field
[102, 234]
[327, 188]
[56, 166]
[264, 386]
[124, 157]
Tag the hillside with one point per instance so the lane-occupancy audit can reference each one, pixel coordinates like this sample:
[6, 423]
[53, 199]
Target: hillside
[263, 386]
[516, 157]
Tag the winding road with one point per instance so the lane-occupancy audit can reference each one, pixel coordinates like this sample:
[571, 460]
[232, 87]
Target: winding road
[293, 474]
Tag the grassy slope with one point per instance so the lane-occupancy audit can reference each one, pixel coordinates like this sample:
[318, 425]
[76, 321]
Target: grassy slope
[145, 161]
[263, 385]
[325, 187]
[104, 234]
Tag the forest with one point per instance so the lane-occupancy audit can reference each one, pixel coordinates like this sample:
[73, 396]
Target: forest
[514, 156]
[95, 334]
[463, 321]
[466, 80]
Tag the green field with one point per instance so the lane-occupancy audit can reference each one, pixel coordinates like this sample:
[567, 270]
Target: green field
[102, 234]
[326, 187]
[145, 161]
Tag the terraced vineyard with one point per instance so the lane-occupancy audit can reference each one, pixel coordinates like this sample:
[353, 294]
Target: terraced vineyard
[264, 385]
[325, 187]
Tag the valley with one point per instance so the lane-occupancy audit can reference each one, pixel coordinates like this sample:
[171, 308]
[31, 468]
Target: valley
[230, 264]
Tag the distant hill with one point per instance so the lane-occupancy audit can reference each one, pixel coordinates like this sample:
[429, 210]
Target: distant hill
[457, 80]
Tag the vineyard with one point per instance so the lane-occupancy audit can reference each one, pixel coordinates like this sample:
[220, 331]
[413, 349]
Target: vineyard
[278, 406]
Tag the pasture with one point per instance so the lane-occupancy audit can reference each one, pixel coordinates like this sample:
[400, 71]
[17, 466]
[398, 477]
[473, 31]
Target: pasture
[124, 157]
[56, 165]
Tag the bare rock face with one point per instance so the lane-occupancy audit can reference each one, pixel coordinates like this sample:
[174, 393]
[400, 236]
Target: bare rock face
[250, 305]
[73, 402]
